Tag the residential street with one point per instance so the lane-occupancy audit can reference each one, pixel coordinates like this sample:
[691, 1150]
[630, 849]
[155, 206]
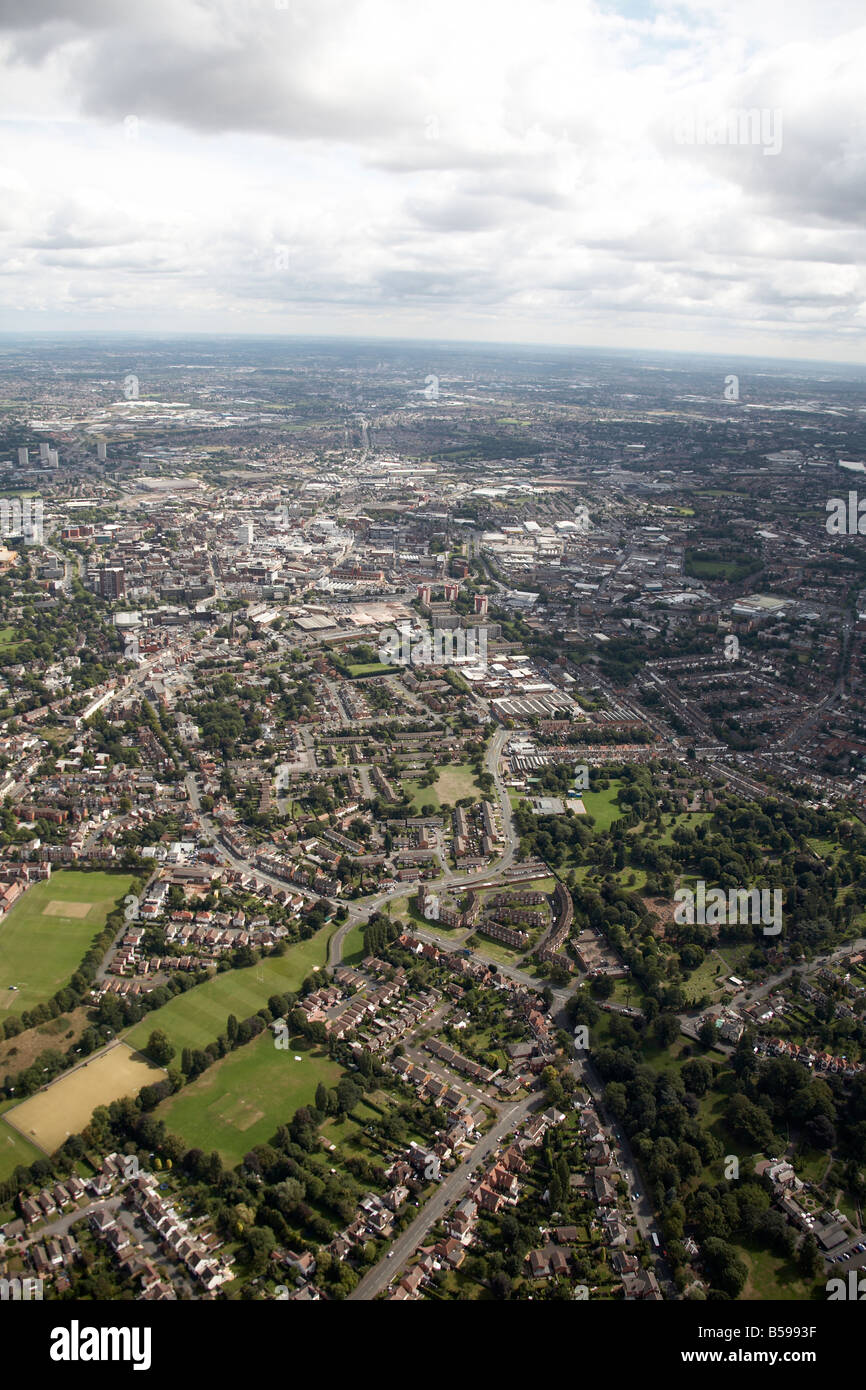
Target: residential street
[449, 1193]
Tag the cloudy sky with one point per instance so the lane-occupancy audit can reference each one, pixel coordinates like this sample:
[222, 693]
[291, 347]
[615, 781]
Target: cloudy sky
[562, 171]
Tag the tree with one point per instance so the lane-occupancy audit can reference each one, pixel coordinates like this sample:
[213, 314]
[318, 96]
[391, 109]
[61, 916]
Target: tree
[750, 1122]
[348, 1094]
[159, 1049]
[666, 1029]
[809, 1257]
[821, 1133]
[727, 1270]
[602, 986]
[697, 1075]
[260, 1242]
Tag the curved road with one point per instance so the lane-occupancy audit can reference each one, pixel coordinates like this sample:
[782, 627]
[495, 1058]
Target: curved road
[451, 878]
[454, 1185]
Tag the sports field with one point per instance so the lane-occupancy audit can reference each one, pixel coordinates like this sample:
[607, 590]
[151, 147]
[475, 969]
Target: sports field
[603, 805]
[47, 933]
[198, 1017]
[453, 782]
[243, 1099]
[14, 1150]
[65, 1107]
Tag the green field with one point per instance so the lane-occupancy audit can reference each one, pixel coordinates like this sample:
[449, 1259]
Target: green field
[453, 783]
[45, 936]
[353, 946]
[735, 956]
[811, 1164]
[603, 806]
[198, 1017]
[691, 819]
[15, 1150]
[772, 1276]
[497, 951]
[242, 1100]
[711, 565]
[371, 668]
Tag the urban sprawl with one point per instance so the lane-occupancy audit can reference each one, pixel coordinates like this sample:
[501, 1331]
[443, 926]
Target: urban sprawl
[433, 824]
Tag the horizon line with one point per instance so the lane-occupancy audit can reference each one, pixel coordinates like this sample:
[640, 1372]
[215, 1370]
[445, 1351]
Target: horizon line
[515, 344]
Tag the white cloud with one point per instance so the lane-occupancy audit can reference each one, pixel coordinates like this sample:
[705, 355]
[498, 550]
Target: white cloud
[486, 169]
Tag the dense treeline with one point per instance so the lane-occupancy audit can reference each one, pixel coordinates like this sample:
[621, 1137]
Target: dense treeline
[767, 1102]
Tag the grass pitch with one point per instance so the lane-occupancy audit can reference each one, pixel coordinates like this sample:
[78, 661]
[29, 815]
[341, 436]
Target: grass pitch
[47, 933]
[198, 1017]
[14, 1151]
[454, 782]
[243, 1099]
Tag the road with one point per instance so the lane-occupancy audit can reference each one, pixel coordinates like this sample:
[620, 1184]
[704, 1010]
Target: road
[454, 1185]
[52, 1229]
[642, 1211]
[754, 992]
[511, 972]
[361, 912]
[450, 1191]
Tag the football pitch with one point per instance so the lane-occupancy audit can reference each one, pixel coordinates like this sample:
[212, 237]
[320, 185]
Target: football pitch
[197, 1017]
[243, 1099]
[45, 936]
